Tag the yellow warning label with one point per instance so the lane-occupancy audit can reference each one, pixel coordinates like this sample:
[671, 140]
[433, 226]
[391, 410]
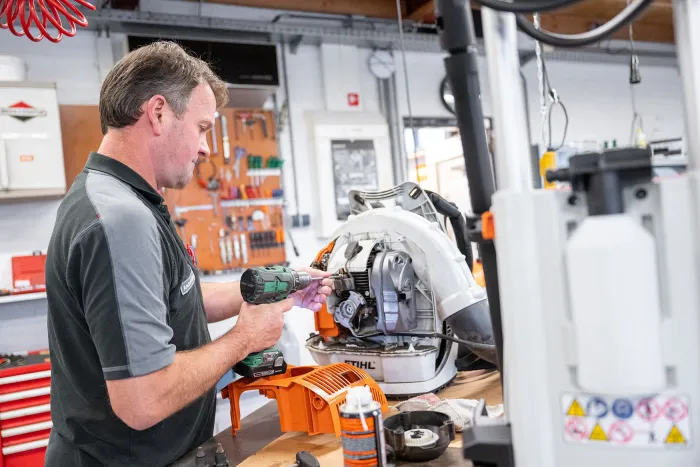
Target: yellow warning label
[675, 436]
[598, 434]
[576, 410]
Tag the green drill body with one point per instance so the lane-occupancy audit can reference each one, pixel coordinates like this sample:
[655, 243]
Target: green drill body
[265, 285]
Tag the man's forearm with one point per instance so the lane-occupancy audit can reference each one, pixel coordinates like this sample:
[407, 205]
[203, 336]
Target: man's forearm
[221, 300]
[154, 397]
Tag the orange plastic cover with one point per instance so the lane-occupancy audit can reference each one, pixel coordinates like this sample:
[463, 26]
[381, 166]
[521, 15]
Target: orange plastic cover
[308, 397]
[324, 322]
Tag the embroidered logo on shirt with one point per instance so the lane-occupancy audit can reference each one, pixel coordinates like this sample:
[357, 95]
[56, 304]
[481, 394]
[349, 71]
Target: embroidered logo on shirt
[189, 282]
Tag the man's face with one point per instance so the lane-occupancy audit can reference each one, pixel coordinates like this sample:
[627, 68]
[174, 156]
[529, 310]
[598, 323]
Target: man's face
[185, 140]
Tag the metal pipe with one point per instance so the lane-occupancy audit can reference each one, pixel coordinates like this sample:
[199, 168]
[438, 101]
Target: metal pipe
[387, 99]
[686, 17]
[512, 155]
[291, 130]
[458, 39]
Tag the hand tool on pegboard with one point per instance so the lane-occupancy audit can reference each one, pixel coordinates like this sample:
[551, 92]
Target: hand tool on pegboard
[229, 248]
[244, 248]
[263, 123]
[239, 153]
[212, 184]
[222, 248]
[214, 139]
[225, 140]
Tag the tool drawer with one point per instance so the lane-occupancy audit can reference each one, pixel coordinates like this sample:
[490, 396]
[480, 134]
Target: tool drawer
[25, 412]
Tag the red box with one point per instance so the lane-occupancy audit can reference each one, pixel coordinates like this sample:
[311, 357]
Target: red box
[25, 414]
[29, 273]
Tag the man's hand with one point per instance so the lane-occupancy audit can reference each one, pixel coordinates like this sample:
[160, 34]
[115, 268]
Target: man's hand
[261, 325]
[314, 296]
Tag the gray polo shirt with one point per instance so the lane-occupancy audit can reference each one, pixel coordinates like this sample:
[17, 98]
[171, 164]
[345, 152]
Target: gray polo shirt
[123, 297]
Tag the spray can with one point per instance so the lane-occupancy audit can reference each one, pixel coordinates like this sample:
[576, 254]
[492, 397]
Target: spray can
[362, 429]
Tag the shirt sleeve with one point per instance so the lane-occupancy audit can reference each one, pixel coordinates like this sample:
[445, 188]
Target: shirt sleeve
[119, 279]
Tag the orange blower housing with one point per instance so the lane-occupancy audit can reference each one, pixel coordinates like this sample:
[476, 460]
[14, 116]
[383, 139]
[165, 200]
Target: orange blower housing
[324, 322]
[308, 397]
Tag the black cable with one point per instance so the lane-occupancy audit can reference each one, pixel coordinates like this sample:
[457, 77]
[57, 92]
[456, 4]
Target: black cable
[525, 7]
[431, 335]
[589, 37]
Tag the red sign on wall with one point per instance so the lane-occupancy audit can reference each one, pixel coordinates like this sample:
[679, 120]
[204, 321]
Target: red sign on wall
[353, 99]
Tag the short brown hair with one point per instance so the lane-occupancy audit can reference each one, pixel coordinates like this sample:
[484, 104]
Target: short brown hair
[161, 67]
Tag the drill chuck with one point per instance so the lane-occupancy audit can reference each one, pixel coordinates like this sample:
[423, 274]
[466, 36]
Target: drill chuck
[272, 284]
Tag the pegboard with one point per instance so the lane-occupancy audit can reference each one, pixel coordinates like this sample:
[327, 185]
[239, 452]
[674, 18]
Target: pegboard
[246, 207]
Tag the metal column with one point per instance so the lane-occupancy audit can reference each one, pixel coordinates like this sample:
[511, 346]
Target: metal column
[686, 18]
[390, 110]
[512, 155]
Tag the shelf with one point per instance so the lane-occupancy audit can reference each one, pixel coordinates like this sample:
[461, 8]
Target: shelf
[25, 297]
[264, 172]
[231, 203]
[29, 195]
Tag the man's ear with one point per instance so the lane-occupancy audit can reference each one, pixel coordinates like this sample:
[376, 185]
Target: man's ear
[156, 109]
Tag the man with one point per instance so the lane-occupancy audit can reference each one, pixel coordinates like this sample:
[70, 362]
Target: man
[133, 365]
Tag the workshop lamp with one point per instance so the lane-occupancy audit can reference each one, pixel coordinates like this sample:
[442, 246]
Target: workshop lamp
[31, 18]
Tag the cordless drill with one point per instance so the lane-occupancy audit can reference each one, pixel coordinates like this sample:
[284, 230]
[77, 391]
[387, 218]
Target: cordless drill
[265, 285]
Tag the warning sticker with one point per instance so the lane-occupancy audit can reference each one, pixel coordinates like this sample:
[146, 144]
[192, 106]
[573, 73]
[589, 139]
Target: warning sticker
[598, 434]
[661, 422]
[575, 410]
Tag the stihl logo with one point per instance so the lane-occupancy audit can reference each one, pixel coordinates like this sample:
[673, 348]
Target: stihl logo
[22, 111]
[362, 365]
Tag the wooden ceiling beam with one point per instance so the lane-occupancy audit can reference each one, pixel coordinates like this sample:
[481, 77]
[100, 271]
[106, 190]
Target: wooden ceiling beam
[369, 8]
[424, 13]
[571, 24]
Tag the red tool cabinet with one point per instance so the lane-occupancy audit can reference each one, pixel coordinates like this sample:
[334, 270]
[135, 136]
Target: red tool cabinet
[25, 417]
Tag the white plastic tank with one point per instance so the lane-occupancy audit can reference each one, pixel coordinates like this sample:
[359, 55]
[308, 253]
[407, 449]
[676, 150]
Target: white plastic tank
[615, 300]
[12, 68]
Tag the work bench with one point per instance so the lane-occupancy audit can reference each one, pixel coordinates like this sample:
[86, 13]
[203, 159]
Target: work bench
[260, 443]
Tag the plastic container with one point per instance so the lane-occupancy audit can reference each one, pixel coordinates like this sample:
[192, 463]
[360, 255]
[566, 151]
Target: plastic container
[362, 429]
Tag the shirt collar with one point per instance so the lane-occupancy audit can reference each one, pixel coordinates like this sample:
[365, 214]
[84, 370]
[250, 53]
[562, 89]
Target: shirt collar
[106, 164]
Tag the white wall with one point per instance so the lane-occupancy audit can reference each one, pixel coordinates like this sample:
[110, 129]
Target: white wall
[596, 96]
[598, 101]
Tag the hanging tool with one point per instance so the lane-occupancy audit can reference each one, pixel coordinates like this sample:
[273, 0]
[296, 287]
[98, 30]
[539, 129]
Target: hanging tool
[240, 154]
[263, 286]
[212, 185]
[263, 123]
[225, 141]
[229, 249]
[244, 249]
[222, 246]
[260, 216]
[236, 247]
[214, 142]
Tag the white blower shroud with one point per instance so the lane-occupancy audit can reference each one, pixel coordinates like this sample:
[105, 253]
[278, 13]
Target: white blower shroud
[400, 280]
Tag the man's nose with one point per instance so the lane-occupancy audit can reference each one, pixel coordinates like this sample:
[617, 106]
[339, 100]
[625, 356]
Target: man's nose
[204, 149]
